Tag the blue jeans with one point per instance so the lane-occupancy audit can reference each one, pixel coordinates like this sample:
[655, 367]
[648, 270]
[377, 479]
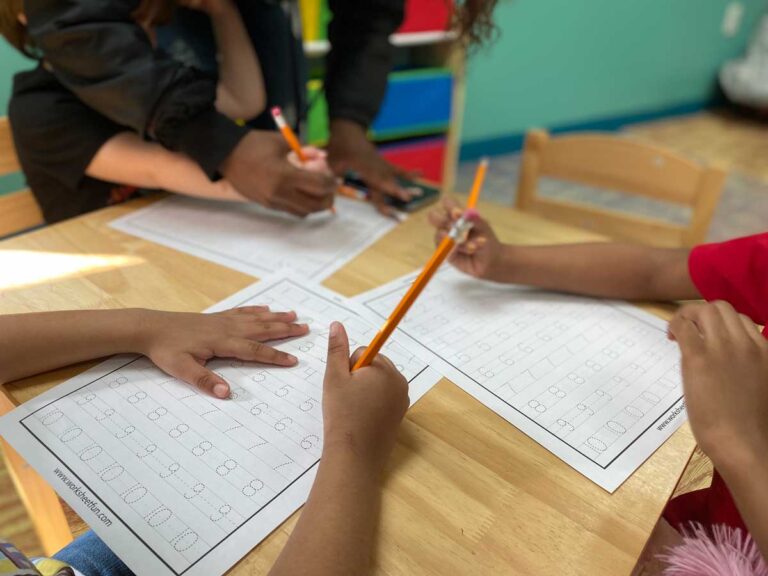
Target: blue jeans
[89, 555]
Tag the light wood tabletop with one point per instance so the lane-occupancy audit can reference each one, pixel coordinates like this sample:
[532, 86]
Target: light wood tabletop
[466, 492]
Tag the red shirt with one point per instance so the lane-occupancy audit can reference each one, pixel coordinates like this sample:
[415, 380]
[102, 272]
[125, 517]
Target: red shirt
[737, 272]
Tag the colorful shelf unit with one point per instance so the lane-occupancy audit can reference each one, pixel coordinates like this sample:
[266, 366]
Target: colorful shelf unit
[425, 156]
[426, 16]
[417, 125]
[417, 103]
[420, 16]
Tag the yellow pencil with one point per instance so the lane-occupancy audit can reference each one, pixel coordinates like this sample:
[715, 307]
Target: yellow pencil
[458, 231]
[288, 133]
[291, 138]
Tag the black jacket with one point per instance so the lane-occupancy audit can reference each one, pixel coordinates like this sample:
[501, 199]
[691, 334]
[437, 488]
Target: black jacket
[99, 53]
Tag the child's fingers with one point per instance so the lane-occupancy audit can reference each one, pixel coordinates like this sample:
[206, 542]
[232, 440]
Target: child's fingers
[356, 355]
[751, 329]
[439, 219]
[266, 331]
[439, 235]
[294, 159]
[337, 362]
[267, 316]
[254, 351]
[451, 205]
[687, 334]
[314, 162]
[473, 244]
[188, 369]
[313, 152]
[382, 359]
[732, 322]
[247, 310]
[707, 319]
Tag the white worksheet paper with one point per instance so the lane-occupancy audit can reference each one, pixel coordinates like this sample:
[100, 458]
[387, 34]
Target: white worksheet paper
[257, 241]
[596, 383]
[177, 482]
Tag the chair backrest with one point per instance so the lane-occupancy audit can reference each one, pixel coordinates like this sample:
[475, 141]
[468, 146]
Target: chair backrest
[622, 165]
[18, 209]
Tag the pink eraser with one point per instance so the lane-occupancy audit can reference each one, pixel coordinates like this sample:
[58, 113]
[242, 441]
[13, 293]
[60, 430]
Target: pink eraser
[276, 111]
[471, 214]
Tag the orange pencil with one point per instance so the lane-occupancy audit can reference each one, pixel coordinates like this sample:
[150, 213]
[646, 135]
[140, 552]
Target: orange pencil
[457, 234]
[477, 186]
[291, 138]
[350, 192]
[288, 133]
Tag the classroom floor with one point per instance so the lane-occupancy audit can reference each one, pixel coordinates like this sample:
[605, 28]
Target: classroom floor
[733, 142]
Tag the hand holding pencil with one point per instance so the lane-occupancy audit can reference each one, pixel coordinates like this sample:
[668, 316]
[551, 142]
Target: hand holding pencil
[456, 235]
[315, 159]
[306, 157]
[480, 254]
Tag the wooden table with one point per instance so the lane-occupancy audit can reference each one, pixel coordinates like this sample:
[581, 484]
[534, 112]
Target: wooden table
[466, 492]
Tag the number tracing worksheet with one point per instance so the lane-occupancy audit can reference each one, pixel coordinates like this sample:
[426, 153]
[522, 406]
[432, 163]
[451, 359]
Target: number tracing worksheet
[257, 241]
[595, 382]
[175, 481]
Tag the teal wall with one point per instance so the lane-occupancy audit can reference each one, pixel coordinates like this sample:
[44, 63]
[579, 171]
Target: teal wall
[565, 62]
[10, 63]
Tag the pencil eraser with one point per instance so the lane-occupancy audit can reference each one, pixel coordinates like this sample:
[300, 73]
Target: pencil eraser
[276, 111]
[471, 214]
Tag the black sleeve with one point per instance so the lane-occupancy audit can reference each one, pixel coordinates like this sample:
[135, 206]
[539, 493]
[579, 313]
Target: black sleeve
[99, 53]
[361, 56]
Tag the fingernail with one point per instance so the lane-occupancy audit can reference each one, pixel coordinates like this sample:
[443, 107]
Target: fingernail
[481, 241]
[335, 329]
[292, 359]
[221, 391]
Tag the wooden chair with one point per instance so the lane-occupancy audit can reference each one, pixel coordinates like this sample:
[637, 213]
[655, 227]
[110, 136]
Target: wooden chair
[625, 165]
[18, 210]
[39, 499]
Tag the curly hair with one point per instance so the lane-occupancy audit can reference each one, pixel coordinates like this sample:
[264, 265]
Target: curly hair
[474, 21]
[11, 27]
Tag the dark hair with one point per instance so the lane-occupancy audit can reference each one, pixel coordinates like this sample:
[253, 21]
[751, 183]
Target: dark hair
[474, 21]
[10, 26]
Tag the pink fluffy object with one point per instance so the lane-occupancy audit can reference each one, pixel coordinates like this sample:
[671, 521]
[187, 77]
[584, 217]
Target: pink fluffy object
[719, 551]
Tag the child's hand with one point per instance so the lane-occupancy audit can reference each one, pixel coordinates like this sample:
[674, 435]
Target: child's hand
[725, 378]
[479, 256]
[317, 160]
[361, 410]
[180, 343]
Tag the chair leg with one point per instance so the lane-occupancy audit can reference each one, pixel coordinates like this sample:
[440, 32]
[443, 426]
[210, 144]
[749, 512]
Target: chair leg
[39, 499]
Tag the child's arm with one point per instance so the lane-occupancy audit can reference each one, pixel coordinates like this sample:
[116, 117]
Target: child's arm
[129, 160]
[725, 379]
[361, 413]
[608, 270]
[178, 343]
[240, 94]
